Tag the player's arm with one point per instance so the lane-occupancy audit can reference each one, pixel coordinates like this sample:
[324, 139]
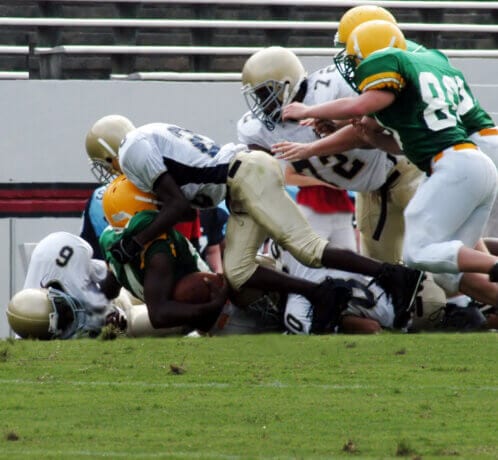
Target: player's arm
[175, 208]
[341, 109]
[343, 139]
[110, 286]
[164, 312]
[292, 177]
[374, 134]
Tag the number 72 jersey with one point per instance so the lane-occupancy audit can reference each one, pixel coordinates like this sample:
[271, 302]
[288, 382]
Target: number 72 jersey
[66, 259]
[360, 170]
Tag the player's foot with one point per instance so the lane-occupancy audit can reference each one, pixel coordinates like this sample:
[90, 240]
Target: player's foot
[329, 299]
[402, 284]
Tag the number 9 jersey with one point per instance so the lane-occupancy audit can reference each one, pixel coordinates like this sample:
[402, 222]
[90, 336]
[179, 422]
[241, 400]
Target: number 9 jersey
[66, 259]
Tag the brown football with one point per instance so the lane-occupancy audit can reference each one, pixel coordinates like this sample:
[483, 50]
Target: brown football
[193, 287]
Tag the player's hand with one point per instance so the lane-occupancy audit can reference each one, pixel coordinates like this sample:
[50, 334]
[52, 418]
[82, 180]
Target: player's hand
[125, 250]
[117, 317]
[294, 111]
[323, 127]
[291, 151]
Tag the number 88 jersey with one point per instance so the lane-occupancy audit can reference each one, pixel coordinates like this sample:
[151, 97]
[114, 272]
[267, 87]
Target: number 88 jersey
[66, 259]
[431, 98]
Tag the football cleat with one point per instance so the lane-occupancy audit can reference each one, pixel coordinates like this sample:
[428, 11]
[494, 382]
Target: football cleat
[402, 285]
[330, 299]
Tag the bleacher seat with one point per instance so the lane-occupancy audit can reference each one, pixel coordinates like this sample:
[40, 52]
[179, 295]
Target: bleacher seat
[104, 38]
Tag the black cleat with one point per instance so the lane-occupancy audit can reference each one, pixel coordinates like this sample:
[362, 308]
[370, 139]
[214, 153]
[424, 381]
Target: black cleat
[329, 300]
[402, 284]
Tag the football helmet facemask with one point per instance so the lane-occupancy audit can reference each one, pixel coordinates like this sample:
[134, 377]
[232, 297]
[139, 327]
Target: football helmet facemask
[44, 314]
[365, 39]
[102, 145]
[122, 200]
[271, 79]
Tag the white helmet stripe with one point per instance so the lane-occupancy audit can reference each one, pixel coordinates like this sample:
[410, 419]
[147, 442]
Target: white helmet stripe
[107, 147]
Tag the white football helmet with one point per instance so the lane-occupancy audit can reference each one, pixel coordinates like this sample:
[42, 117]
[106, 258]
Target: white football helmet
[271, 79]
[102, 145]
[43, 314]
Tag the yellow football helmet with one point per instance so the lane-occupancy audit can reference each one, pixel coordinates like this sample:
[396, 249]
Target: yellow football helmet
[102, 145]
[271, 78]
[122, 200]
[44, 314]
[356, 16]
[363, 41]
[373, 36]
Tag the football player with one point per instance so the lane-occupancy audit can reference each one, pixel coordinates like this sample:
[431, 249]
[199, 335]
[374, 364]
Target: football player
[369, 309]
[185, 169]
[478, 123]
[104, 166]
[47, 314]
[417, 97]
[269, 76]
[163, 261]
[65, 283]
[272, 78]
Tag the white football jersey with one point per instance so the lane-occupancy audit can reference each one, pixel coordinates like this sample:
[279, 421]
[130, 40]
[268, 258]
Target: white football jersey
[66, 259]
[298, 315]
[356, 170]
[198, 165]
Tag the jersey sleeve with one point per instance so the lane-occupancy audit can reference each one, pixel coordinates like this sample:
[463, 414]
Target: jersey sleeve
[142, 162]
[380, 72]
[249, 131]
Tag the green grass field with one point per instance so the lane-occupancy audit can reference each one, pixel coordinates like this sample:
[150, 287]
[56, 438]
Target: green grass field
[247, 397]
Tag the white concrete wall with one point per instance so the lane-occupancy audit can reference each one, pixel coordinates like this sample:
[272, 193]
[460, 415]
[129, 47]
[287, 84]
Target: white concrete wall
[43, 126]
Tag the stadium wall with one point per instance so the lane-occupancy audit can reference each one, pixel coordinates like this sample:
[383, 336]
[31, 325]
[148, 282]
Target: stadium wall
[44, 174]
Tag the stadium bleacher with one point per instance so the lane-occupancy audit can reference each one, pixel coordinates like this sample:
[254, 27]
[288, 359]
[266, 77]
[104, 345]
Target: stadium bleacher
[102, 39]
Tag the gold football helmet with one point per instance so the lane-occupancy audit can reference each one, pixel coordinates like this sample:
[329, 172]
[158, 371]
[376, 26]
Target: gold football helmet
[356, 16]
[102, 145]
[43, 314]
[363, 41]
[122, 200]
[271, 78]
[373, 36]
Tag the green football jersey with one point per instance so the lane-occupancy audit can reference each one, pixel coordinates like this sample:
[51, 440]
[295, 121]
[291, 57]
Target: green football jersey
[475, 118]
[183, 256]
[431, 97]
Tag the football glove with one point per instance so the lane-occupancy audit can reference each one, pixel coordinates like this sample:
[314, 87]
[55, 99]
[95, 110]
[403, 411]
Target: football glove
[125, 250]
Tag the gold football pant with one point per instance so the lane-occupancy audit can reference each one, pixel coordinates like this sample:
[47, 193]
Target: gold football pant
[379, 214]
[260, 208]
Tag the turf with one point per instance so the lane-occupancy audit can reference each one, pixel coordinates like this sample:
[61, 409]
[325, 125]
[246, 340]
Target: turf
[270, 396]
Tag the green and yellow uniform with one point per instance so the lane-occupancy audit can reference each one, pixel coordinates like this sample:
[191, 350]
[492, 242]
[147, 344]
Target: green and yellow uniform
[431, 97]
[183, 256]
